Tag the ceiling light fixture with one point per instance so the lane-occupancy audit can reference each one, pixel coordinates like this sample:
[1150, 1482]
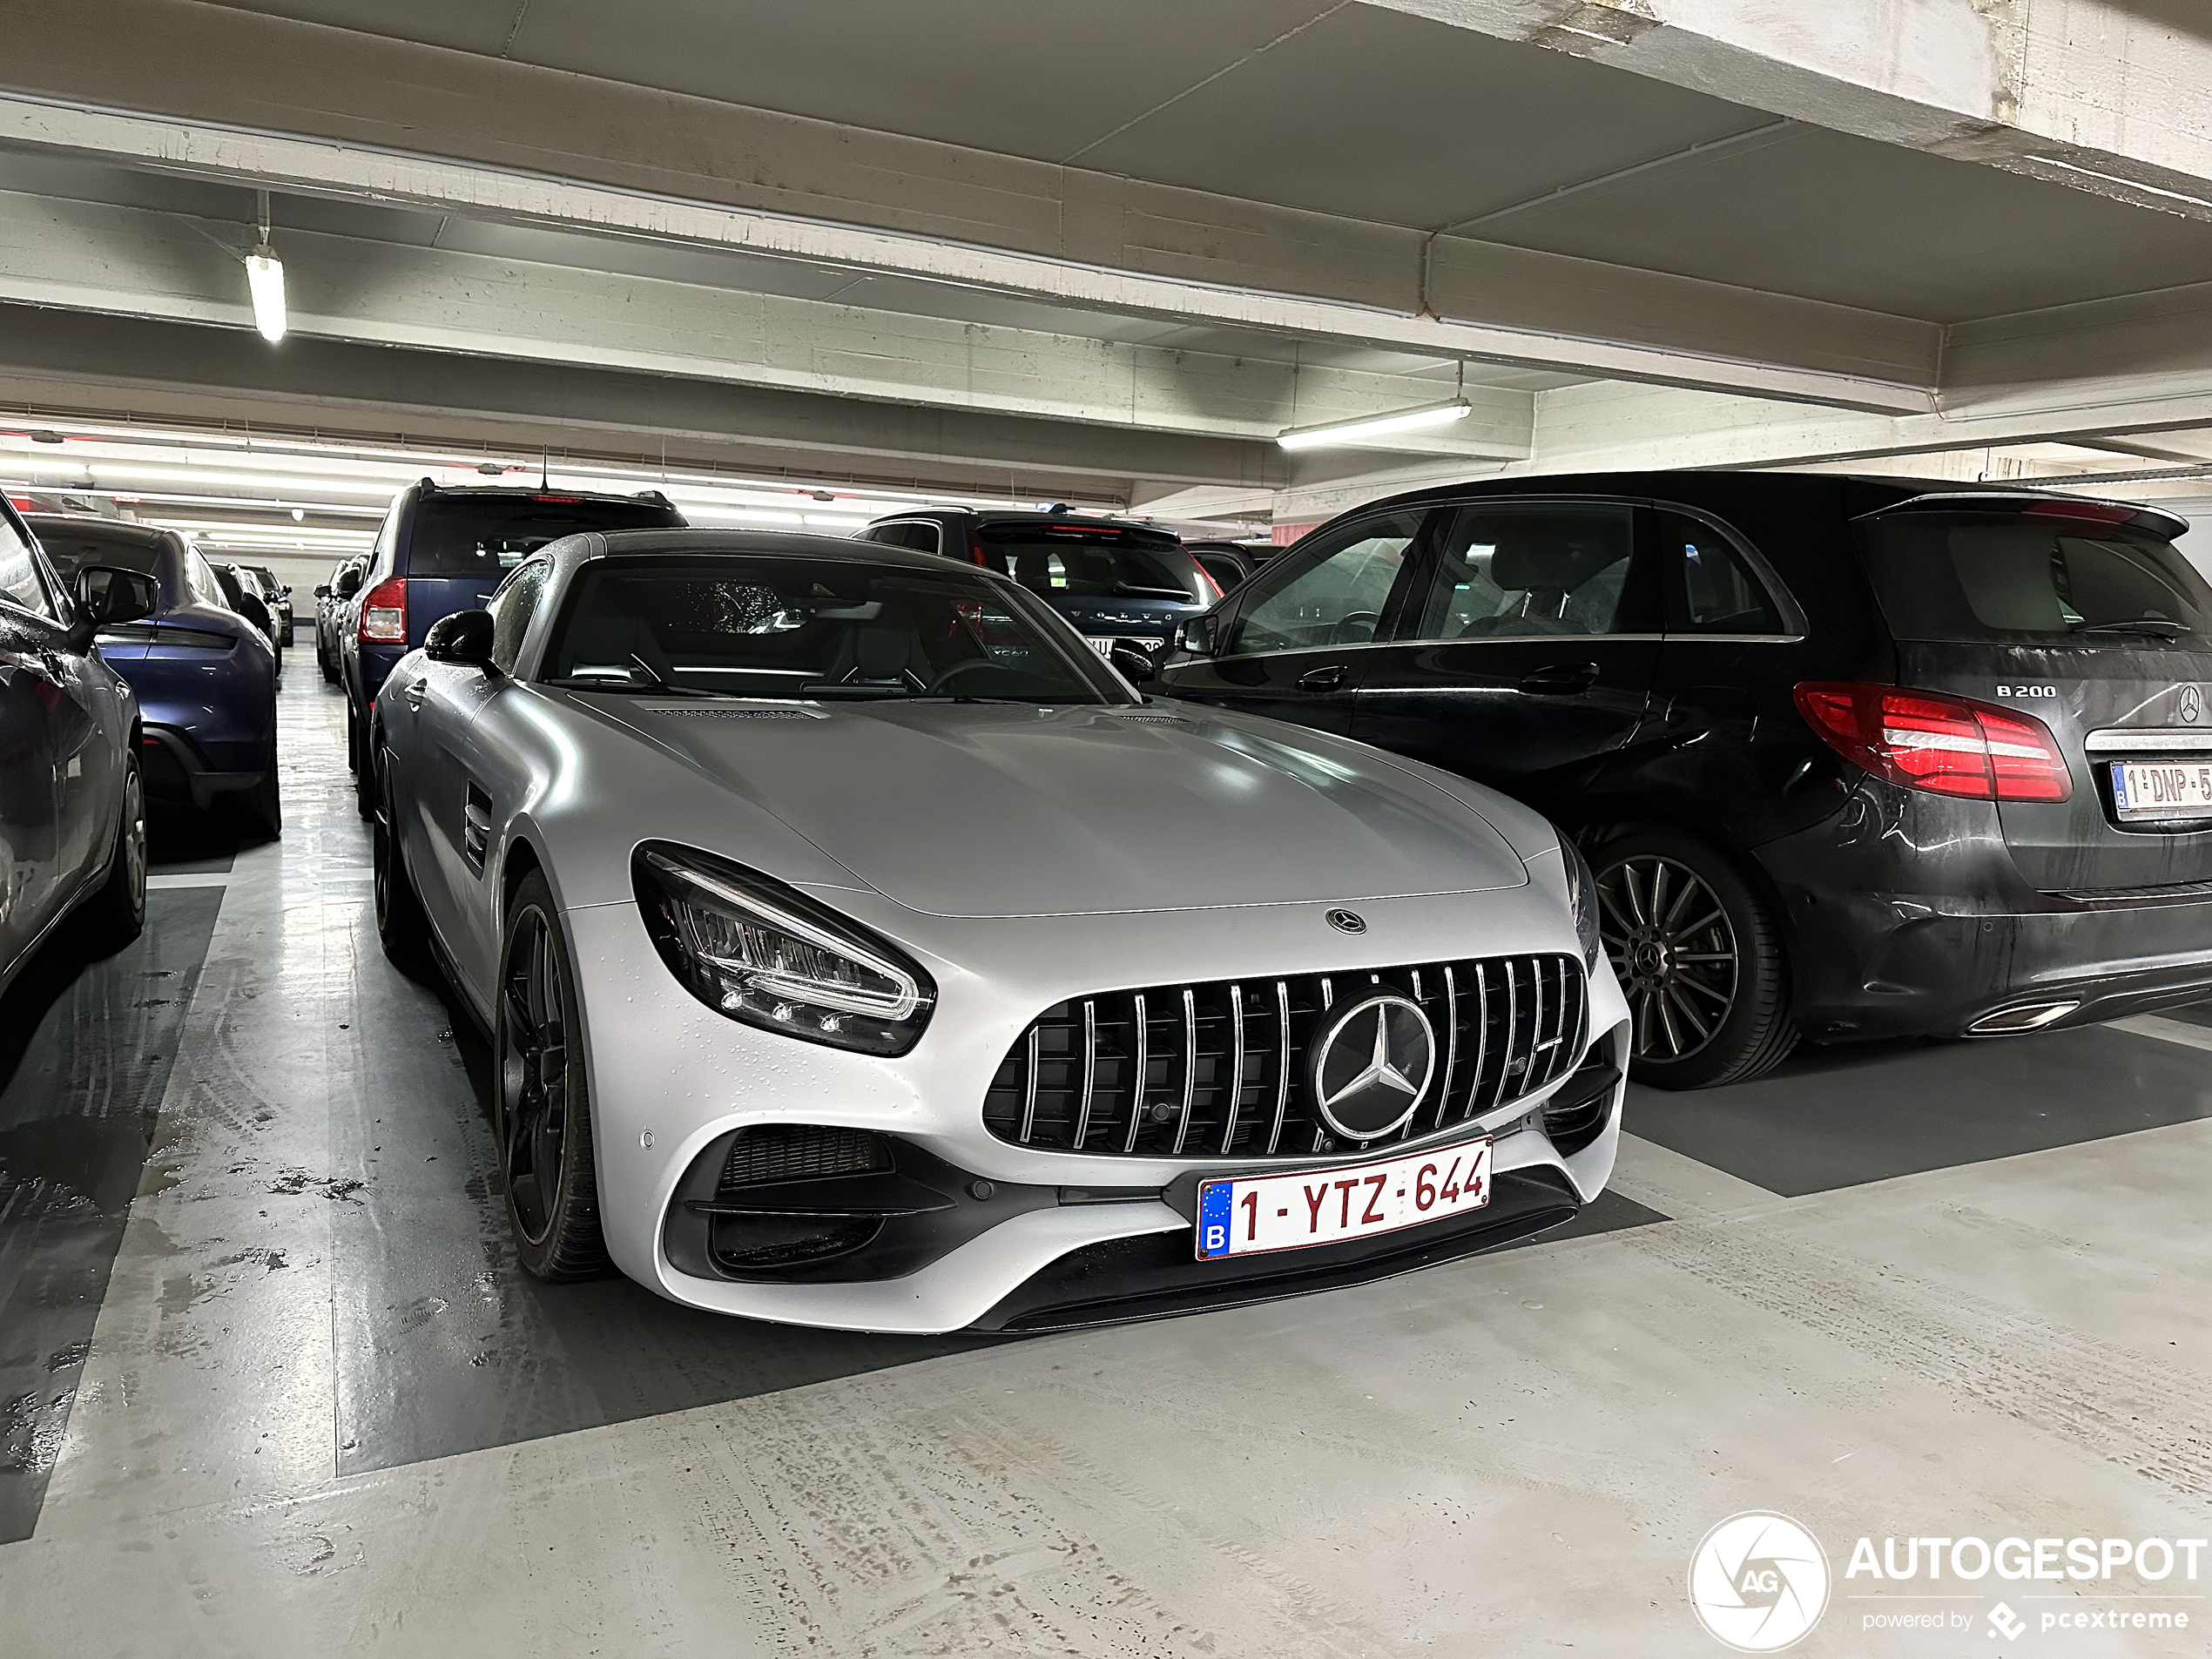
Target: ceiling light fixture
[264, 277]
[1375, 426]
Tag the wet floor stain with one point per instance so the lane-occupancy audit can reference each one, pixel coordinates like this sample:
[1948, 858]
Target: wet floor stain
[85, 1057]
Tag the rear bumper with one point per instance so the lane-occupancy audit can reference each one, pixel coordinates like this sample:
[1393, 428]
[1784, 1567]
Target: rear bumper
[177, 774]
[1927, 930]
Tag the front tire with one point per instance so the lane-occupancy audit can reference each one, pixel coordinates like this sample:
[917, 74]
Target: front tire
[1699, 957]
[544, 1110]
[401, 928]
[117, 913]
[365, 774]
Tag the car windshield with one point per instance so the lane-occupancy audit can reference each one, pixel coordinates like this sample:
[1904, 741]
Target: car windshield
[68, 548]
[481, 537]
[2040, 575]
[1094, 560]
[814, 629]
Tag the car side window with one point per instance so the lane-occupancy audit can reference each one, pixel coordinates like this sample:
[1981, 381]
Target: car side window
[1333, 590]
[205, 588]
[20, 584]
[1710, 589]
[512, 607]
[1513, 570]
[920, 538]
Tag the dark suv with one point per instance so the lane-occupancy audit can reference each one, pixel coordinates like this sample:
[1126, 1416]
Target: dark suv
[1851, 757]
[440, 550]
[1116, 582]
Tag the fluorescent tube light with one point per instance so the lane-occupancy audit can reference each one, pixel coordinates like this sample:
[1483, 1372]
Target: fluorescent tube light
[265, 276]
[1373, 426]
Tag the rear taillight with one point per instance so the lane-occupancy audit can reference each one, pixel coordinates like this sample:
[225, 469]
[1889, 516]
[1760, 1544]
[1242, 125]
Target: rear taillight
[975, 548]
[1947, 746]
[1206, 576]
[384, 612]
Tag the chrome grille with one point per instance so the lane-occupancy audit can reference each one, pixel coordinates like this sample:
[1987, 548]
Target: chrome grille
[1218, 1069]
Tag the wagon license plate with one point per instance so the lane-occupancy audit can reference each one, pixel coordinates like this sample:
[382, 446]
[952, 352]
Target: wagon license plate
[2144, 789]
[1251, 1215]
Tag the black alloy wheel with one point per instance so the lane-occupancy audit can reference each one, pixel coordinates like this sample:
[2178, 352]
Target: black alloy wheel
[400, 927]
[1698, 959]
[544, 1117]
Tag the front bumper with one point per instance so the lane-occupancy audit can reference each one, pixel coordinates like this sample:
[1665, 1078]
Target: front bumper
[670, 1080]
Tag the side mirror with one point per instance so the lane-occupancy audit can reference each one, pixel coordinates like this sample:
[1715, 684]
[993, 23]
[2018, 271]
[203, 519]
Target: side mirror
[1197, 636]
[465, 637]
[323, 591]
[348, 584]
[107, 595]
[1132, 661]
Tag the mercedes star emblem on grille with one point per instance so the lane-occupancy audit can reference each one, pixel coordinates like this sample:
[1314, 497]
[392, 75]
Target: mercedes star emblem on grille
[1372, 1064]
[2189, 702]
[1347, 921]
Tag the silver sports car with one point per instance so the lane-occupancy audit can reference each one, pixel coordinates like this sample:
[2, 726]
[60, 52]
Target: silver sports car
[860, 950]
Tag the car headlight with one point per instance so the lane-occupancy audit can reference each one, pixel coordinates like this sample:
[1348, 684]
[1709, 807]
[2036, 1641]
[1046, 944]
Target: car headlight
[1581, 894]
[755, 950]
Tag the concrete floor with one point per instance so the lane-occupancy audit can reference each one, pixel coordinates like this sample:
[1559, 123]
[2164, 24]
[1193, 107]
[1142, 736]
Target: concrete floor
[273, 1383]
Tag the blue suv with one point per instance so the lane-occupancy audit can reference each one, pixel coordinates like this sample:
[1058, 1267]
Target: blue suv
[442, 551]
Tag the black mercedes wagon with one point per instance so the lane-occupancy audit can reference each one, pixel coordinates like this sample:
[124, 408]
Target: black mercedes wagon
[1851, 756]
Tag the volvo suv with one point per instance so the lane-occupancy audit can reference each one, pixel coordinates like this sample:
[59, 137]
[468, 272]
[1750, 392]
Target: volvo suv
[1851, 757]
[440, 550]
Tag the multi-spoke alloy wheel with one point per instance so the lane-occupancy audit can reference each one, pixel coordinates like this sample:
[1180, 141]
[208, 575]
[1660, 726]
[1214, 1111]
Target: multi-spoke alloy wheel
[1673, 951]
[1693, 940]
[544, 1109]
[533, 1081]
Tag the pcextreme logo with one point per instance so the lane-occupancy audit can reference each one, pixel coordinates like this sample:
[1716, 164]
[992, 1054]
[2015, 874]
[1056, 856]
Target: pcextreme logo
[1758, 1581]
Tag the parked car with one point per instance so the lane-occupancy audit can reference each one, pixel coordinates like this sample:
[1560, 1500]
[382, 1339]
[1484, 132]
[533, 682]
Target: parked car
[1851, 757]
[1228, 562]
[204, 676]
[440, 550]
[243, 593]
[811, 892]
[72, 807]
[276, 596]
[330, 603]
[1117, 584]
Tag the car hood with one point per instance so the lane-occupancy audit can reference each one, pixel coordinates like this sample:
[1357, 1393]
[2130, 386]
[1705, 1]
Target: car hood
[997, 810]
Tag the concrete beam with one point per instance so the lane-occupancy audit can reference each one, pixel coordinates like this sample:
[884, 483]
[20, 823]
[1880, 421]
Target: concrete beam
[118, 368]
[228, 93]
[96, 256]
[2106, 96]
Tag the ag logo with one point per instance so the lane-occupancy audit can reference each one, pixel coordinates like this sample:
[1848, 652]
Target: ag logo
[1758, 1581]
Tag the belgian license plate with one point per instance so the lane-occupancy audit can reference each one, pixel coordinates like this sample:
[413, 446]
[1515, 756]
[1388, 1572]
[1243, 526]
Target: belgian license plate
[1104, 645]
[2162, 788]
[1249, 1215]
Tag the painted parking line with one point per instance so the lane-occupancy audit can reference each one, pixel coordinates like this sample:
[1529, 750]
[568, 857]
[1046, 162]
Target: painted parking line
[2152, 1025]
[161, 883]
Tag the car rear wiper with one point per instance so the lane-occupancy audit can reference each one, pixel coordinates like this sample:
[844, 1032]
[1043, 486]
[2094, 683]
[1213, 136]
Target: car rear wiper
[1137, 590]
[2159, 627]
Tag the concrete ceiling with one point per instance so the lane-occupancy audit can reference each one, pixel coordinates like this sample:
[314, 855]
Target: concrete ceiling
[1156, 233]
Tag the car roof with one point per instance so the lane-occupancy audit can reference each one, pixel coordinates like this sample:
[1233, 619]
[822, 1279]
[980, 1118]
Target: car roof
[1870, 491]
[83, 524]
[1022, 516]
[779, 543]
[533, 492]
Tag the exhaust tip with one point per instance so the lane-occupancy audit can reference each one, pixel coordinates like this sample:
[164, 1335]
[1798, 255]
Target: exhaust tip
[2032, 1016]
